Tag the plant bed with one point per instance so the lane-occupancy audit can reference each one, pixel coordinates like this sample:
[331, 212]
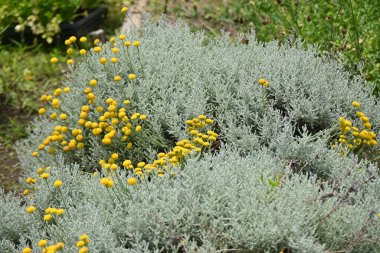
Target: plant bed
[81, 26]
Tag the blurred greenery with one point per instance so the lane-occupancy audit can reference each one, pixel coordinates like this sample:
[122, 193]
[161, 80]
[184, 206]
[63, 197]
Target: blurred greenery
[345, 29]
[43, 17]
[25, 73]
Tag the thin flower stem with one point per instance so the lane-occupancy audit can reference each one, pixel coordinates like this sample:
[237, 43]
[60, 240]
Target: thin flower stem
[139, 57]
[128, 60]
[64, 202]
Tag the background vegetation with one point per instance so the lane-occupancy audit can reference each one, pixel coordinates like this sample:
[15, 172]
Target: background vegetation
[26, 71]
[347, 30]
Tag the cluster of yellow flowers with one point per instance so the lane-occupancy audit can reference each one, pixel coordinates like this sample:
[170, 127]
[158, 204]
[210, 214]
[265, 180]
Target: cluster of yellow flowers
[50, 211]
[82, 50]
[201, 139]
[107, 124]
[84, 240]
[43, 244]
[355, 136]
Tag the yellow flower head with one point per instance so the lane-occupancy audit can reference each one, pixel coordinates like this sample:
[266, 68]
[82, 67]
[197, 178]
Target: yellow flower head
[97, 49]
[41, 111]
[63, 116]
[93, 82]
[360, 114]
[113, 59]
[30, 209]
[85, 238]
[107, 182]
[48, 217]
[117, 78]
[59, 245]
[96, 41]
[356, 104]
[70, 61]
[122, 37]
[126, 163]
[82, 51]
[114, 167]
[132, 181]
[263, 82]
[26, 250]
[124, 9]
[136, 43]
[83, 39]
[45, 175]
[83, 250]
[58, 183]
[79, 244]
[26, 192]
[103, 60]
[115, 50]
[42, 243]
[209, 121]
[127, 43]
[54, 60]
[73, 39]
[132, 76]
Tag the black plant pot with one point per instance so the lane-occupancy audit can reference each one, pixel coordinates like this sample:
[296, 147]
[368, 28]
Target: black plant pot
[84, 25]
[79, 27]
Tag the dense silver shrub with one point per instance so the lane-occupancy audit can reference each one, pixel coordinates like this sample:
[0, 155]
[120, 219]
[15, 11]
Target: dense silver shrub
[223, 201]
[10, 212]
[184, 78]
[275, 183]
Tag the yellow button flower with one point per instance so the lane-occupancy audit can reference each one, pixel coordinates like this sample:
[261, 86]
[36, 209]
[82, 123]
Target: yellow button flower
[42, 243]
[45, 175]
[103, 60]
[58, 183]
[30, 209]
[93, 82]
[26, 250]
[83, 250]
[48, 217]
[97, 49]
[356, 104]
[132, 181]
[54, 60]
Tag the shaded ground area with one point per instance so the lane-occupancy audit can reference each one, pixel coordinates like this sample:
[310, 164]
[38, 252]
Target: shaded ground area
[12, 128]
[9, 169]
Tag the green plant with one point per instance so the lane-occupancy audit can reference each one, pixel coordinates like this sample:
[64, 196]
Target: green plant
[42, 17]
[343, 29]
[270, 181]
[25, 72]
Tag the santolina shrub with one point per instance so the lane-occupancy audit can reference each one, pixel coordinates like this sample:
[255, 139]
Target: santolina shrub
[168, 141]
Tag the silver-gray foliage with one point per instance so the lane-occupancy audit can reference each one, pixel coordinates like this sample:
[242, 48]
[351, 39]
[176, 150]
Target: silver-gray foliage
[274, 184]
